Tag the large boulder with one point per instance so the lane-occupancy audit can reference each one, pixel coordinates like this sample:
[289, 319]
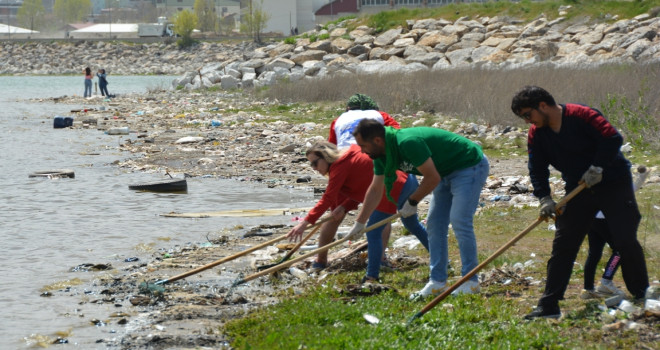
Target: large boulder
[388, 37]
[324, 45]
[229, 82]
[341, 45]
[281, 63]
[309, 55]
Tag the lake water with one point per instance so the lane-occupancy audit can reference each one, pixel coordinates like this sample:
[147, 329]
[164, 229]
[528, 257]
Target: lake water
[49, 226]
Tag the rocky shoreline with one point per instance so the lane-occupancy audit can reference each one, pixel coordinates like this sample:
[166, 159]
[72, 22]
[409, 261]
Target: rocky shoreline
[426, 44]
[167, 136]
[201, 134]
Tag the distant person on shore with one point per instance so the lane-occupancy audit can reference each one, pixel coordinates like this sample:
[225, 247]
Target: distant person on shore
[349, 173]
[580, 143]
[103, 82]
[88, 82]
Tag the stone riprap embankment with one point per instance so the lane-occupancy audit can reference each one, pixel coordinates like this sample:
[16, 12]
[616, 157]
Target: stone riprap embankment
[117, 58]
[437, 44]
[425, 44]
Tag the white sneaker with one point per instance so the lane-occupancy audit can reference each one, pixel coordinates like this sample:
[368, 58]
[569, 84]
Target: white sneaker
[469, 287]
[607, 287]
[431, 288]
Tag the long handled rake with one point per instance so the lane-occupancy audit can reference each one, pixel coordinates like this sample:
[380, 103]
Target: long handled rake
[242, 280]
[154, 286]
[474, 271]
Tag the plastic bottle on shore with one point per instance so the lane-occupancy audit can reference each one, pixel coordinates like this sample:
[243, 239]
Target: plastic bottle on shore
[118, 131]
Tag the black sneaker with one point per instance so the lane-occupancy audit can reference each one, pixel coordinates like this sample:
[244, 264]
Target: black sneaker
[544, 312]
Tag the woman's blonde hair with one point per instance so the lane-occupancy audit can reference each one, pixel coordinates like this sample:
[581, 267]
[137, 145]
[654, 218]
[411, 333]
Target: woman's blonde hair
[326, 150]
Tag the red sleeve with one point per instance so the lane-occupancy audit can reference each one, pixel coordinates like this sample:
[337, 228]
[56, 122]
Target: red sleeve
[332, 138]
[389, 121]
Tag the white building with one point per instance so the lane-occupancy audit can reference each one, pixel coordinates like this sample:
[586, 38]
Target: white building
[7, 32]
[286, 14]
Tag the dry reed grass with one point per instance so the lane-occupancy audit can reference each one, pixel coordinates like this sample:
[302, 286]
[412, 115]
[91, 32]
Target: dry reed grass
[484, 95]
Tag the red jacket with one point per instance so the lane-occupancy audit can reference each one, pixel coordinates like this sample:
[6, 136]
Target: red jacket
[350, 177]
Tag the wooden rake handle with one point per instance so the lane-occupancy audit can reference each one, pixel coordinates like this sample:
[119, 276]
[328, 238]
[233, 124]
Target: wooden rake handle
[513, 241]
[234, 256]
[314, 252]
[302, 241]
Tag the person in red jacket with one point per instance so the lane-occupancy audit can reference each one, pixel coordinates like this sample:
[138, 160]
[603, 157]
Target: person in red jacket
[349, 175]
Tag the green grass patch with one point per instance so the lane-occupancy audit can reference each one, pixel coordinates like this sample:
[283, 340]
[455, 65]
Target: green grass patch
[321, 319]
[524, 10]
[325, 316]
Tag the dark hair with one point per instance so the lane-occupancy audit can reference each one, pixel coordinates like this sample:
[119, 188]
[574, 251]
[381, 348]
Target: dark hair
[88, 71]
[530, 97]
[361, 102]
[368, 129]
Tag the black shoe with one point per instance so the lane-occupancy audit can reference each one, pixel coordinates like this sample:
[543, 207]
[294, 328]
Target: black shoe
[544, 312]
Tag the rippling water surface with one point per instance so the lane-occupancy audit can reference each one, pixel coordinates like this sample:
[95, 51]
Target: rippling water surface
[49, 226]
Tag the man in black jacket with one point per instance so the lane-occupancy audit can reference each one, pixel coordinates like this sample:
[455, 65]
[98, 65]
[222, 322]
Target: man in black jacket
[580, 143]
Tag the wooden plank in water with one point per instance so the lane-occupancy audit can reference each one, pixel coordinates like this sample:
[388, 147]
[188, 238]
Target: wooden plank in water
[237, 213]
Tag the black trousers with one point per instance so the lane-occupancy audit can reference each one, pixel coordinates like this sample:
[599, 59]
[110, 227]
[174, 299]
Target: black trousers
[617, 201]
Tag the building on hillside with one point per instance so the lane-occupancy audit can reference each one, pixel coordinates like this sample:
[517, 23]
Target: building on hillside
[8, 32]
[223, 8]
[284, 15]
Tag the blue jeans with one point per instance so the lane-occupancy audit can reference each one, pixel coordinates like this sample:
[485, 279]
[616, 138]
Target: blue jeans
[455, 201]
[88, 88]
[411, 223]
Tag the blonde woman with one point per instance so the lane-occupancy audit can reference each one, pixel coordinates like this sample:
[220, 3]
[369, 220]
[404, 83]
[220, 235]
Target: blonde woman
[349, 175]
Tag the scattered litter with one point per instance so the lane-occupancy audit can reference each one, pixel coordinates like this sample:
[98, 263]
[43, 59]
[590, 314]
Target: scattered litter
[613, 301]
[189, 139]
[371, 319]
[300, 274]
[628, 307]
[265, 254]
[652, 305]
[408, 242]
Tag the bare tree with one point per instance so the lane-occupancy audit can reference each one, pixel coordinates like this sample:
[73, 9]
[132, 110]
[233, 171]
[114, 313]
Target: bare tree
[31, 14]
[206, 16]
[70, 11]
[254, 22]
